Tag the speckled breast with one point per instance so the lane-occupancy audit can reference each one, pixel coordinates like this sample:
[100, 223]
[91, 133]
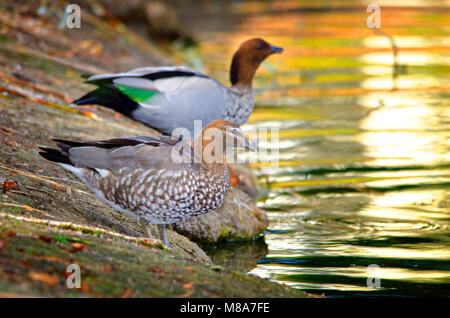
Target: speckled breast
[164, 196]
[239, 106]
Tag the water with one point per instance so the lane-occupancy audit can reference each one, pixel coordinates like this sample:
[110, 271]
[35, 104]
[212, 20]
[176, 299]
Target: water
[364, 172]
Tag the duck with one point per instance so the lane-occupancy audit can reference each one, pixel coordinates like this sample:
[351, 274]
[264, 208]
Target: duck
[155, 179]
[169, 97]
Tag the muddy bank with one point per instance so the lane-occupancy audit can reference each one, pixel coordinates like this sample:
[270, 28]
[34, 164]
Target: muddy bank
[34, 256]
[48, 219]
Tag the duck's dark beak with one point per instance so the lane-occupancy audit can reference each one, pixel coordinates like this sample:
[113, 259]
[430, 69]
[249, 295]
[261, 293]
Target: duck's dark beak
[275, 49]
[249, 145]
[243, 142]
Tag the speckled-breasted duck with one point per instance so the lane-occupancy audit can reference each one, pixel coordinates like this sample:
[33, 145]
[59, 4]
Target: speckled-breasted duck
[143, 177]
[166, 98]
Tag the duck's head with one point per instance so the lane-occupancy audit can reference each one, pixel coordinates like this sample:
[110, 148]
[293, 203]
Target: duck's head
[247, 59]
[218, 138]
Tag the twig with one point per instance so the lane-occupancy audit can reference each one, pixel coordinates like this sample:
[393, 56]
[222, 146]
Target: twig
[38, 190]
[46, 103]
[56, 185]
[74, 65]
[79, 227]
[26, 207]
[36, 87]
[59, 179]
[20, 193]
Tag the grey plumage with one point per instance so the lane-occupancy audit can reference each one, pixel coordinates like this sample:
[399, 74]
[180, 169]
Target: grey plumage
[142, 179]
[181, 99]
[166, 98]
[137, 176]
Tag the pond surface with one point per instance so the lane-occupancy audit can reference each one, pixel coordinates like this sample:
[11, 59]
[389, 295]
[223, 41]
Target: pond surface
[364, 171]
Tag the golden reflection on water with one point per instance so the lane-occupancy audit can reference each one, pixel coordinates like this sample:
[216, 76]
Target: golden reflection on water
[385, 273]
[407, 82]
[407, 122]
[407, 58]
[334, 85]
[406, 41]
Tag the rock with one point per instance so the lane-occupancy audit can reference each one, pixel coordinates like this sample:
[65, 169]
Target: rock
[162, 23]
[158, 17]
[239, 256]
[238, 218]
[181, 245]
[248, 182]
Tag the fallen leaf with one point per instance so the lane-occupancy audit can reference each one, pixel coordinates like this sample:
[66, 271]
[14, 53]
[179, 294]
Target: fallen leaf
[85, 287]
[11, 143]
[106, 269]
[77, 247]
[29, 174]
[188, 285]
[45, 239]
[85, 44]
[188, 294]
[49, 279]
[54, 259]
[9, 185]
[11, 233]
[5, 133]
[28, 208]
[128, 293]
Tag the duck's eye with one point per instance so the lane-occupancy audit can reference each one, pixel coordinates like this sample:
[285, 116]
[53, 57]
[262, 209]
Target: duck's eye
[261, 46]
[234, 131]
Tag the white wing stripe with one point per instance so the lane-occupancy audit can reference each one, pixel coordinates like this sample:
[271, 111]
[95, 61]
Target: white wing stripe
[135, 82]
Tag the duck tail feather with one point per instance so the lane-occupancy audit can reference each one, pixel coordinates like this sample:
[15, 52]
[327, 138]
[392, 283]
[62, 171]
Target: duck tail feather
[55, 155]
[110, 97]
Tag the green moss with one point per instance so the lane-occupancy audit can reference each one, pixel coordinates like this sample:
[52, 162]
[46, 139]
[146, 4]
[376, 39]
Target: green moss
[106, 264]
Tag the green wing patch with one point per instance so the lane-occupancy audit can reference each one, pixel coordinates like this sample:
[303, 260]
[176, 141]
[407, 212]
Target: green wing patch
[136, 94]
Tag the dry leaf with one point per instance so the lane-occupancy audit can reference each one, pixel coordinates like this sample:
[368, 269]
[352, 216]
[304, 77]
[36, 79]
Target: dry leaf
[49, 279]
[55, 259]
[11, 143]
[9, 185]
[128, 293]
[188, 285]
[106, 269]
[5, 133]
[85, 288]
[77, 247]
[45, 239]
